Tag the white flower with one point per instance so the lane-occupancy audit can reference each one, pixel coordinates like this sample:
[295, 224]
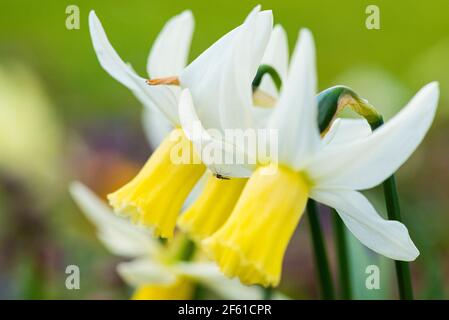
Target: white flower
[149, 264]
[168, 58]
[214, 205]
[144, 199]
[331, 173]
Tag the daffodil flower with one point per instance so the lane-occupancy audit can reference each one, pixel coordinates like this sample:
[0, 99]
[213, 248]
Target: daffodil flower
[153, 269]
[155, 196]
[252, 242]
[215, 203]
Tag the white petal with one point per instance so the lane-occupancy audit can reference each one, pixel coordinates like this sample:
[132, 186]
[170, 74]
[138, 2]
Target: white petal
[209, 275]
[295, 117]
[108, 58]
[144, 272]
[239, 70]
[276, 55]
[120, 236]
[346, 130]
[260, 39]
[165, 98]
[389, 238]
[261, 116]
[203, 141]
[156, 127]
[170, 50]
[204, 76]
[367, 162]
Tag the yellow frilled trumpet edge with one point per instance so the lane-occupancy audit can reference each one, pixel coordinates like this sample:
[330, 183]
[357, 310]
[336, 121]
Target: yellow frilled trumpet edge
[252, 242]
[155, 196]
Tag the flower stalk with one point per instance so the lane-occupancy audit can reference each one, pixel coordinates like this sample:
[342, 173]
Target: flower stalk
[187, 250]
[267, 293]
[324, 274]
[332, 101]
[394, 213]
[267, 69]
[343, 257]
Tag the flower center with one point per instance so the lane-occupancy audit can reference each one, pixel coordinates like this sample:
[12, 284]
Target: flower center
[170, 81]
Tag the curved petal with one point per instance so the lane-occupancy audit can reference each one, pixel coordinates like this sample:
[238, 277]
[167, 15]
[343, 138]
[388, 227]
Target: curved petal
[209, 74]
[165, 98]
[169, 53]
[212, 150]
[389, 238]
[295, 117]
[346, 130]
[107, 56]
[145, 272]
[239, 70]
[117, 234]
[209, 275]
[367, 162]
[156, 127]
[202, 77]
[261, 116]
[276, 55]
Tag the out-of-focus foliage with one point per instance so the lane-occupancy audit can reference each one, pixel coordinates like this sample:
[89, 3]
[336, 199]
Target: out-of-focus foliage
[30, 135]
[63, 118]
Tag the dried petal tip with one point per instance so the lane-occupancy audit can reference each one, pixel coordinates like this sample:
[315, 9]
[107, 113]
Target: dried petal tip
[171, 81]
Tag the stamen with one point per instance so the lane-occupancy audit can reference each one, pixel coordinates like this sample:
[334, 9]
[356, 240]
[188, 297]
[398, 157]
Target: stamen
[171, 81]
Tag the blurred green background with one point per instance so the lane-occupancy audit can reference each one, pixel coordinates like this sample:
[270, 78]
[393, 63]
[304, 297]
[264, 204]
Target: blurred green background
[63, 118]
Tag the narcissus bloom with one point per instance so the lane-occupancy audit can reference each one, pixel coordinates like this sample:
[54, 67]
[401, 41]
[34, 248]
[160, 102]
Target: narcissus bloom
[155, 196]
[252, 242]
[156, 270]
[214, 205]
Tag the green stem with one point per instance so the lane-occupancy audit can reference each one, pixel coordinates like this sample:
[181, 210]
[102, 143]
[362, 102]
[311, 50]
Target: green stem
[187, 250]
[199, 292]
[394, 213]
[343, 256]
[267, 69]
[321, 261]
[402, 267]
[267, 293]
